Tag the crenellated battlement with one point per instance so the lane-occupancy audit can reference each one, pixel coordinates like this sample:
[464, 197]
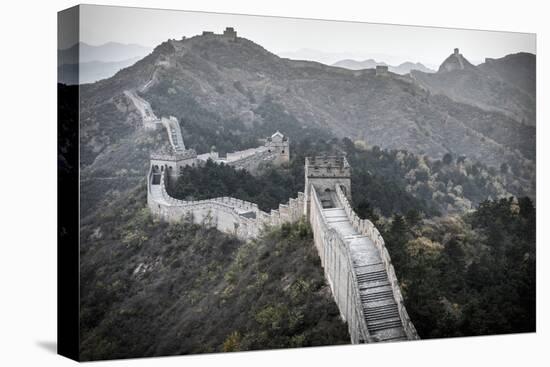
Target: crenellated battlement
[239, 217]
[324, 173]
[327, 166]
[228, 33]
[186, 154]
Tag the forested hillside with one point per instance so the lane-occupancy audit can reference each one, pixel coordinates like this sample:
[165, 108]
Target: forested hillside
[468, 275]
[152, 288]
[470, 271]
[383, 181]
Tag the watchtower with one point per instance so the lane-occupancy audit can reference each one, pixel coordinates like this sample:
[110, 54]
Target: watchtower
[323, 174]
[381, 70]
[456, 52]
[280, 145]
[230, 33]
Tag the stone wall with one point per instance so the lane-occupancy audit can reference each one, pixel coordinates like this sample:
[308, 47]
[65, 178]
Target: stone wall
[252, 162]
[174, 133]
[338, 267]
[230, 215]
[143, 108]
[367, 228]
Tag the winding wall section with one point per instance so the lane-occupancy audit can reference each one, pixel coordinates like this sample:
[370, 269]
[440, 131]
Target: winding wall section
[353, 255]
[355, 260]
[238, 217]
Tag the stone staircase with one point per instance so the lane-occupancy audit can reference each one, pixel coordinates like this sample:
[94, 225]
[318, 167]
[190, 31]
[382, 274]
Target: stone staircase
[379, 306]
[175, 139]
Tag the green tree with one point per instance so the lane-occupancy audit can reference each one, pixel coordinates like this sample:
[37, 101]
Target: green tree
[447, 158]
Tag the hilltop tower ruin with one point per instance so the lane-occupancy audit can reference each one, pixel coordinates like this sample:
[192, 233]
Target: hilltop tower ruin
[279, 145]
[230, 33]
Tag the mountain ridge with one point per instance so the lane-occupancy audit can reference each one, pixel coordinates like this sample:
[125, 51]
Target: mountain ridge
[238, 80]
[491, 86]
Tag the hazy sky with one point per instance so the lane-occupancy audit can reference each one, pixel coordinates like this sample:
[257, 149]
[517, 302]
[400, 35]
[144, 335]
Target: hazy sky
[389, 43]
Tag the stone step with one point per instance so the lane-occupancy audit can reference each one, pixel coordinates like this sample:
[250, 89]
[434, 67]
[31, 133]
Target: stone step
[372, 271]
[372, 321]
[381, 308]
[381, 275]
[380, 313]
[375, 286]
[368, 315]
[377, 298]
[370, 281]
[392, 323]
[382, 318]
[372, 274]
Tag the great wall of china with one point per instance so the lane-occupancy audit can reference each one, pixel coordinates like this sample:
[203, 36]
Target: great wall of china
[355, 260]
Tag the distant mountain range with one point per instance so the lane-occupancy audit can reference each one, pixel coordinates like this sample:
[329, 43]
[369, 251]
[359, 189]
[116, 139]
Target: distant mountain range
[329, 58]
[92, 71]
[402, 69]
[96, 62]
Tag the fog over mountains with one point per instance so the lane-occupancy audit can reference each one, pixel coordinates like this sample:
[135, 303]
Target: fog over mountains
[97, 62]
[403, 68]
[103, 61]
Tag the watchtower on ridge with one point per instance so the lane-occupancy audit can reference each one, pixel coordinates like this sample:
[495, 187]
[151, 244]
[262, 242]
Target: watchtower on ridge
[279, 144]
[323, 174]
